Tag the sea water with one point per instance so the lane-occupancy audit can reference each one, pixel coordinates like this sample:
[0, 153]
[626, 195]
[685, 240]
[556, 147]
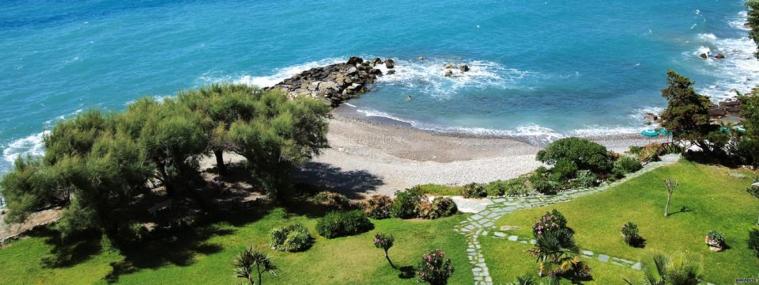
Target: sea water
[542, 69]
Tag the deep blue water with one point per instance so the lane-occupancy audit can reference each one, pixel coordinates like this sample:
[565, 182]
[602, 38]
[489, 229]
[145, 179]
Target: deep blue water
[539, 68]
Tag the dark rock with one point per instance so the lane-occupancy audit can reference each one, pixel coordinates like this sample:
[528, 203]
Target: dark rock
[448, 66]
[704, 55]
[719, 56]
[389, 63]
[377, 61]
[448, 73]
[464, 68]
[355, 60]
[391, 72]
[335, 83]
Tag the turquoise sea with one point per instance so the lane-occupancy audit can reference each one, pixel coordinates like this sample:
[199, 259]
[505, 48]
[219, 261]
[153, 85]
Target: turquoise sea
[540, 69]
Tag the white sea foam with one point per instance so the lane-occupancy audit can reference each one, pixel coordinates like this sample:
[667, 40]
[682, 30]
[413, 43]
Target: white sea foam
[427, 76]
[280, 74]
[740, 21]
[32, 145]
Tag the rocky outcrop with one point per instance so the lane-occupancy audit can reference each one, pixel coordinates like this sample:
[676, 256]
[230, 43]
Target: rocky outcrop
[337, 82]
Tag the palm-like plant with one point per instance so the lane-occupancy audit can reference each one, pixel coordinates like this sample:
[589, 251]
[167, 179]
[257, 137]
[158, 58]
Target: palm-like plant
[252, 263]
[671, 272]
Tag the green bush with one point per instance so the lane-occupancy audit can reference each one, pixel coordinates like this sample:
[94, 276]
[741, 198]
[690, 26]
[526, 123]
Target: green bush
[753, 190]
[378, 206]
[332, 200]
[585, 179]
[584, 153]
[563, 170]
[625, 165]
[630, 234]
[291, 238]
[442, 207]
[337, 224]
[497, 188]
[753, 241]
[406, 204]
[541, 181]
[474, 190]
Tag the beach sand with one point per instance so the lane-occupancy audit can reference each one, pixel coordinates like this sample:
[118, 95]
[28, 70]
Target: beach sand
[373, 155]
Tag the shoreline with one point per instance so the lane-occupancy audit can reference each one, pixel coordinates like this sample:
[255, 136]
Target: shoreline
[372, 155]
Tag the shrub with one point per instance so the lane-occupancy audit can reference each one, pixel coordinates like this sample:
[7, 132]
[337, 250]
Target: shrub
[753, 241]
[474, 190]
[542, 183]
[497, 188]
[442, 207]
[753, 190]
[715, 240]
[378, 206]
[291, 238]
[337, 224]
[550, 221]
[630, 234]
[332, 200]
[625, 165]
[563, 170]
[586, 179]
[434, 268]
[406, 204]
[584, 153]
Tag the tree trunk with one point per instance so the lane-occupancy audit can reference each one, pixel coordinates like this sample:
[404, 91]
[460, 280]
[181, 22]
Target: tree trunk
[220, 162]
[258, 269]
[389, 261]
[666, 208]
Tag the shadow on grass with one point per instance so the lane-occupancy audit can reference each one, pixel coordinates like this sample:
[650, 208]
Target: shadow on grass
[69, 252]
[351, 183]
[407, 272]
[683, 210]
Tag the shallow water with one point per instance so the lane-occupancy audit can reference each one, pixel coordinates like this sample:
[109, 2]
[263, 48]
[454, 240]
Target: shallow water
[539, 68]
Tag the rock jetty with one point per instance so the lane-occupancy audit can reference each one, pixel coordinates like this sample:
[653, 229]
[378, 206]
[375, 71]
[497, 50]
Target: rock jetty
[337, 82]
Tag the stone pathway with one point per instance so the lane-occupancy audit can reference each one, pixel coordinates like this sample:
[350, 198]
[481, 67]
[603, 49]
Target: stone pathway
[605, 258]
[482, 223]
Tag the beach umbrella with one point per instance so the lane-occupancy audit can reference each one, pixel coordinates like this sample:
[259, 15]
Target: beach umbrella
[649, 133]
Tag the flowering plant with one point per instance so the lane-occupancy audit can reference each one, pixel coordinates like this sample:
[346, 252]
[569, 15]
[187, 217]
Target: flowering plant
[435, 268]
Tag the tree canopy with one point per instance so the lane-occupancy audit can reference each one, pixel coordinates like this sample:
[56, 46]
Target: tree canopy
[99, 165]
[687, 112]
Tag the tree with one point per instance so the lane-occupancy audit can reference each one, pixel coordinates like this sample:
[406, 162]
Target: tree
[748, 146]
[171, 136]
[385, 242]
[753, 20]
[252, 263]
[687, 112]
[219, 106]
[581, 153]
[282, 134]
[670, 185]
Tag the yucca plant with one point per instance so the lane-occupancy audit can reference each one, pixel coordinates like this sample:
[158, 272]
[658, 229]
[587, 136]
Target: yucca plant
[667, 271]
[252, 263]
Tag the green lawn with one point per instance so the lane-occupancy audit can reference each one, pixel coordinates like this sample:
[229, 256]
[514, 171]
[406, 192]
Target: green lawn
[347, 260]
[708, 198]
[506, 260]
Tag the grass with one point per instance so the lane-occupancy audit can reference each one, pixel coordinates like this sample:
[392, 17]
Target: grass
[708, 198]
[508, 260]
[346, 260]
[440, 189]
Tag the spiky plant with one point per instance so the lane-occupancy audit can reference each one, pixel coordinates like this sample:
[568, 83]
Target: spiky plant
[252, 263]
